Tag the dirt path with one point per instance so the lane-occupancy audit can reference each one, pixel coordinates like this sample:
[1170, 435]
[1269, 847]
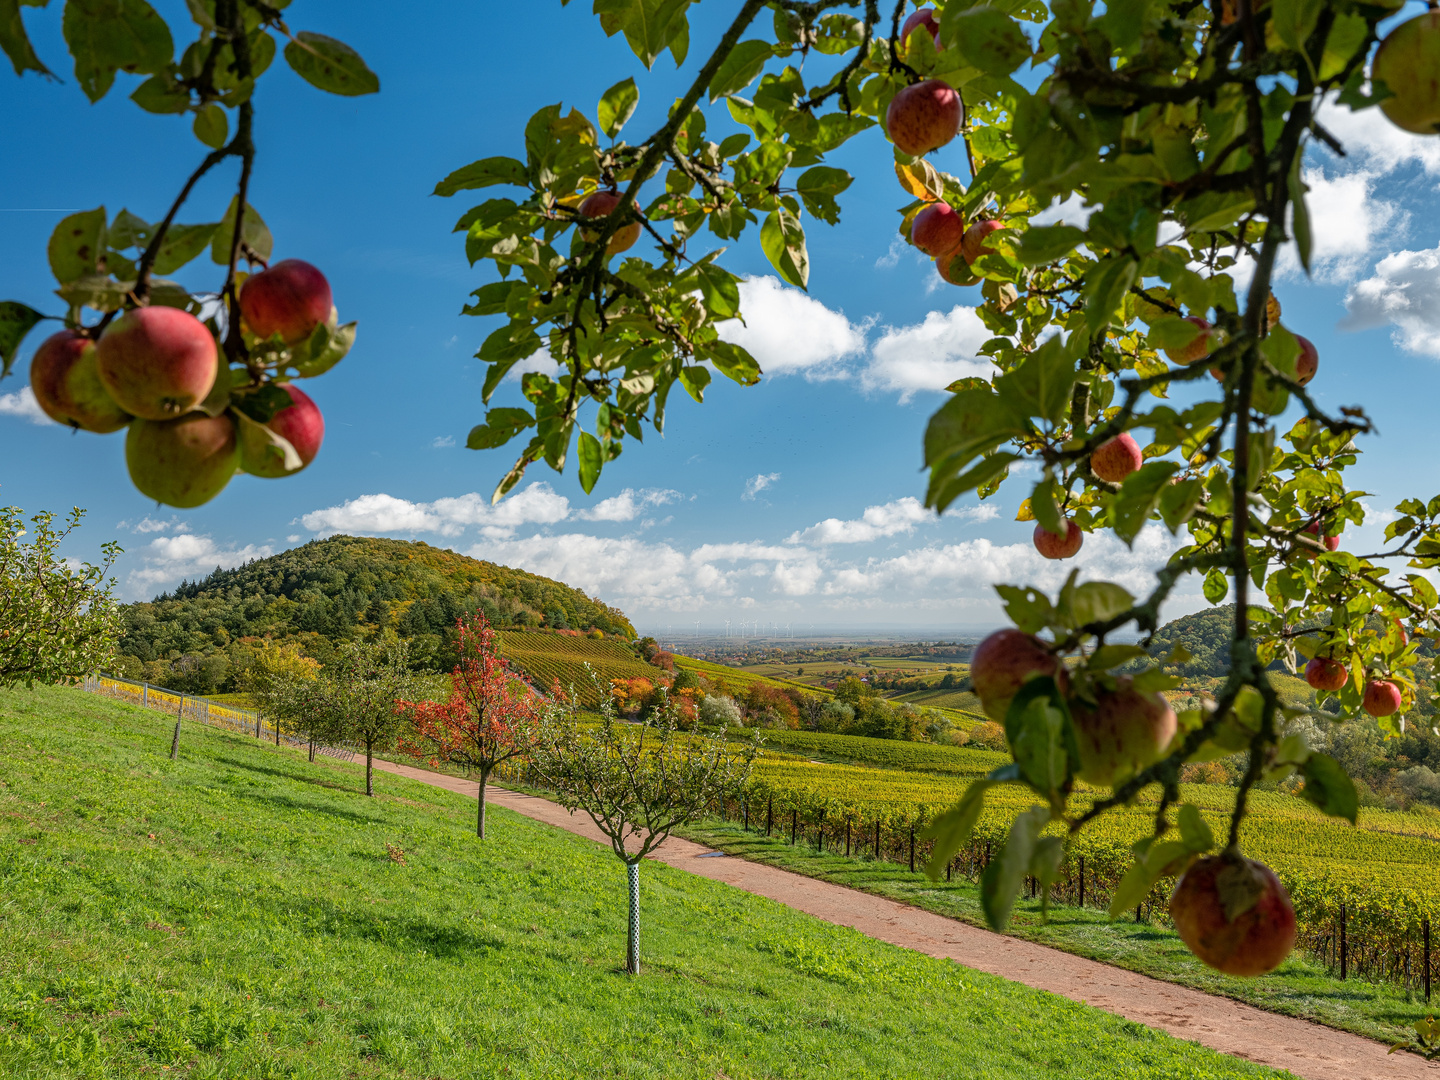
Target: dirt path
[1307, 1050]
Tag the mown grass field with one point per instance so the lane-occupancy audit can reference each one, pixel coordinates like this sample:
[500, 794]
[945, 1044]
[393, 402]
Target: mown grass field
[236, 914]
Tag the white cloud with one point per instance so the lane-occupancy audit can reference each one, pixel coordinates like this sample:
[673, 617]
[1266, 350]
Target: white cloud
[1375, 143]
[442, 442]
[889, 519]
[628, 504]
[929, 355]
[293, 538]
[22, 403]
[1346, 221]
[535, 505]
[1072, 211]
[757, 484]
[540, 361]
[168, 559]
[791, 333]
[1404, 291]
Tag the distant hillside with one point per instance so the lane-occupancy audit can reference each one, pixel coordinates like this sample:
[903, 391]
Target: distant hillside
[336, 590]
[1206, 634]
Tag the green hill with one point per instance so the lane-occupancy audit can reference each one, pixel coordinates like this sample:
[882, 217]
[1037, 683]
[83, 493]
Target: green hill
[326, 592]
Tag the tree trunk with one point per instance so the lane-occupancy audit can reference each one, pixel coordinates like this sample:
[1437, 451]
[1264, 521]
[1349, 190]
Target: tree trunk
[480, 810]
[632, 947]
[312, 748]
[369, 768]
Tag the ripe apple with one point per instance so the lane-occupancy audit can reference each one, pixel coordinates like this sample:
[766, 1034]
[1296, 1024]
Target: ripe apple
[184, 462]
[1197, 349]
[977, 239]
[923, 117]
[290, 299]
[1002, 663]
[1308, 362]
[66, 384]
[300, 424]
[1234, 915]
[1382, 698]
[1116, 458]
[602, 204]
[1326, 673]
[1123, 732]
[1406, 63]
[1313, 530]
[937, 230]
[954, 269]
[1058, 547]
[924, 17]
[157, 362]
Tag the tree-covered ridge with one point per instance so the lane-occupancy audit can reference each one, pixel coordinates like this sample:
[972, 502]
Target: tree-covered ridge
[339, 589]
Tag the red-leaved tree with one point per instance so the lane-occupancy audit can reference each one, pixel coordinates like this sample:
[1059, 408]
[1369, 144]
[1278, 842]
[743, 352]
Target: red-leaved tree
[490, 717]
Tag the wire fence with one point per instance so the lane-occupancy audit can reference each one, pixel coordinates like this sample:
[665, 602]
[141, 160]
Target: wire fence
[216, 714]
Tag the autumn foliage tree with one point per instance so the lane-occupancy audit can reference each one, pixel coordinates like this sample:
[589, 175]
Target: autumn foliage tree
[490, 717]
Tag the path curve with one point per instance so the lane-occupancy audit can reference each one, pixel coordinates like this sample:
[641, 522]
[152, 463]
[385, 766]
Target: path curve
[1308, 1050]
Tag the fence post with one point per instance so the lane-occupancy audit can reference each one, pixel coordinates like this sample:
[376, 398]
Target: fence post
[769, 815]
[847, 837]
[912, 847]
[1082, 880]
[794, 823]
[745, 810]
[1425, 926]
[145, 694]
[257, 725]
[877, 839]
[175, 743]
[1344, 946]
[948, 867]
[820, 837]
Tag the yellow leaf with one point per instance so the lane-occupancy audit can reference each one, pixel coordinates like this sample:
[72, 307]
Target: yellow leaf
[920, 179]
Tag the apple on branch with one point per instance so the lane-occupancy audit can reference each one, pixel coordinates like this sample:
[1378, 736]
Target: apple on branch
[158, 363]
[1053, 546]
[65, 380]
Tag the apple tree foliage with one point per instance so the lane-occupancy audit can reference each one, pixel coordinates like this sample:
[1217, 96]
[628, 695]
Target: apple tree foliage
[1183, 127]
[104, 264]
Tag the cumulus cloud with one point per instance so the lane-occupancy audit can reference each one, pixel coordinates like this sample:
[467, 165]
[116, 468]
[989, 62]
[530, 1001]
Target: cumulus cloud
[442, 442]
[929, 355]
[22, 403]
[757, 484]
[888, 519]
[628, 505]
[1346, 220]
[537, 504]
[540, 361]
[792, 333]
[1404, 292]
[1377, 145]
[167, 560]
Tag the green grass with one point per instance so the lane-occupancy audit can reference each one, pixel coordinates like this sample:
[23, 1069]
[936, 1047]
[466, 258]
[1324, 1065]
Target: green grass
[235, 914]
[1298, 988]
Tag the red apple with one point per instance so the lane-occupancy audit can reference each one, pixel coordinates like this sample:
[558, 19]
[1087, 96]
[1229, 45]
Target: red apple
[1313, 530]
[602, 204]
[1002, 663]
[977, 239]
[954, 269]
[1406, 63]
[1234, 915]
[923, 117]
[924, 17]
[1123, 732]
[1308, 362]
[1382, 698]
[300, 424]
[1197, 349]
[1116, 458]
[66, 384]
[184, 462]
[1326, 673]
[937, 230]
[1058, 547]
[157, 362]
[290, 299]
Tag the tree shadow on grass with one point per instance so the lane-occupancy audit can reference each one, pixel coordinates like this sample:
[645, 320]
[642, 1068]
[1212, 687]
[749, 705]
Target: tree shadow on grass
[299, 777]
[404, 932]
[286, 802]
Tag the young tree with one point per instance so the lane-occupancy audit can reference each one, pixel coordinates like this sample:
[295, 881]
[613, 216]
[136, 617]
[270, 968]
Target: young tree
[636, 782]
[57, 617]
[360, 696]
[491, 716]
[282, 682]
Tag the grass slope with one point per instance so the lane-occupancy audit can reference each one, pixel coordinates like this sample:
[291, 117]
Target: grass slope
[235, 914]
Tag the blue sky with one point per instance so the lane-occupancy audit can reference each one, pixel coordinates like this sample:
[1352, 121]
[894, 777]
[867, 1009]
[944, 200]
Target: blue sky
[792, 502]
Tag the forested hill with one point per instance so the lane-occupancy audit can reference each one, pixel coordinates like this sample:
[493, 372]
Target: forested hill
[1206, 634]
[335, 590]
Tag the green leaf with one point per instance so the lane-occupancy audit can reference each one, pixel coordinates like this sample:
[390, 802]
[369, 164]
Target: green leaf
[483, 173]
[1046, 243]
[617, 105]
[492, 299]
[181, 244]
[1139, 493]
[740, 68]
[77, 244]
[1029, 609]
[501, 425]
[1097, 601]
[1000, 883]
[253, 233]
[733, 361]
[1216, 585]
[162, 95]
[1105, 287]
[952, 830]
[16, 42]
[211, 126]
[695, 378]
[16, 320]
[1040, 385]
[128, 231]
[783, 241]
[1193, 830]
[1300, 219]
[109, 35]
[330, 65]
[1294, 20]
[818, 187]
[1108, 656]
[649, 26]
[592, 457]
[1144, 873]
[1041, 736]
[1179, 501]
[986, 37]
[1329, 787]
[338, 344]
[719, 288]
